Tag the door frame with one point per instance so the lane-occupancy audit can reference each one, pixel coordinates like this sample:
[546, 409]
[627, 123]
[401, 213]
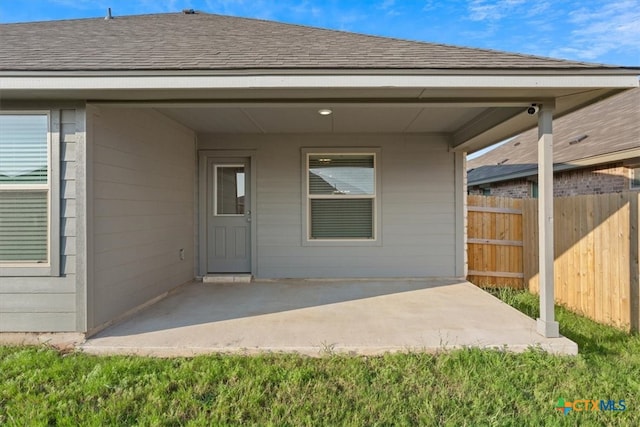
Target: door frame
[203, 160]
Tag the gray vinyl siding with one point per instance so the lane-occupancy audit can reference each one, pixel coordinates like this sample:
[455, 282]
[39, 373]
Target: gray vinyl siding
[143, 209]
[49, 304]
[418, 207]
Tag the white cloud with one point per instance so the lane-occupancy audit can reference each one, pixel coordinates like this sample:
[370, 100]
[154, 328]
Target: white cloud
[430, 5]
[486, 10]
[387, 4]
[538, 8]
[306, 8]
[481, 11]
[389, 7]
[603, 29]
[584, 30]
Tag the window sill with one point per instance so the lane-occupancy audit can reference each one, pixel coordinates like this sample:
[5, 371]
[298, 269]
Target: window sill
[341, 243]
[28, 270]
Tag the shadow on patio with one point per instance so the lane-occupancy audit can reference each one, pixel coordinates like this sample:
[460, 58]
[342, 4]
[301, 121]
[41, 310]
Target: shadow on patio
[315, 317]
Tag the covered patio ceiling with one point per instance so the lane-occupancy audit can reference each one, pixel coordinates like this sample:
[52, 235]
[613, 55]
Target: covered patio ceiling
[476, 107]
[474, 118]
[305, 118]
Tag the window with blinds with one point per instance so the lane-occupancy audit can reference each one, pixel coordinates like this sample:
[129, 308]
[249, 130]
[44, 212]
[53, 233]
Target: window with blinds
[635, 178]
[341, 196]
[24, 188]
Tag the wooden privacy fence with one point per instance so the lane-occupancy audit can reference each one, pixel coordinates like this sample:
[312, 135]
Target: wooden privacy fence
[494, 241]
[596, 246]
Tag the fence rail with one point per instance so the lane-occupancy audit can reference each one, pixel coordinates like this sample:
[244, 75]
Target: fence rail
[596, 246]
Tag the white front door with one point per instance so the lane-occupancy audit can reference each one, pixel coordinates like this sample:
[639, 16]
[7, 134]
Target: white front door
[228, 215]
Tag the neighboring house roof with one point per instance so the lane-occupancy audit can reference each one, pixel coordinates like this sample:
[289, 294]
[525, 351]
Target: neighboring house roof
[600, 133]
[201, 41]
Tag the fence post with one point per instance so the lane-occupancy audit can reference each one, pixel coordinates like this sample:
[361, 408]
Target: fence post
[634, 262]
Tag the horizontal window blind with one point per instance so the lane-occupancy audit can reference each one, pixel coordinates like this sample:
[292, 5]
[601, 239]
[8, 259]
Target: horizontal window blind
[342, 191]
[341, 174]
[24, 187]
[23, 149]
[341, 218]
[23, 226]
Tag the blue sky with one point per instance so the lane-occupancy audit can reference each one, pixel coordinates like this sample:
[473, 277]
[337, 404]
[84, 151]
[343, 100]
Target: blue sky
[604, 31]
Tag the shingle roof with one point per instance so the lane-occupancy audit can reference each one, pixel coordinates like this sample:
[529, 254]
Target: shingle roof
[213, 42]
[609, 126]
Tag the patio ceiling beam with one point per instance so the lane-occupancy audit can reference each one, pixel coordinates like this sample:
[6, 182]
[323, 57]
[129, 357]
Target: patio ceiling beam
[546, 324]
[495, 127]
[488, 119]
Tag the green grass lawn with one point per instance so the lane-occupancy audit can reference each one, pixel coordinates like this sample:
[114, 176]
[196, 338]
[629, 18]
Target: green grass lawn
[39, 386]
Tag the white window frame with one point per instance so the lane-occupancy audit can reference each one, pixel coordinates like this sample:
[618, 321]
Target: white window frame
[634, 174]
[376, 197]
[52, 265]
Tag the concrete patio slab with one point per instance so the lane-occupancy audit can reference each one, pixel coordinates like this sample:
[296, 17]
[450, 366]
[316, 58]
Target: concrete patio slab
[314, 317]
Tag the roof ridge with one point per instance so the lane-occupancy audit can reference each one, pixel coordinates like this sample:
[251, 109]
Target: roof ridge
[333, 30]
[209, 41]
[98, 18]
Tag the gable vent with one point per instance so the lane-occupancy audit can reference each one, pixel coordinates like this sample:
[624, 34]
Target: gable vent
[578, 139]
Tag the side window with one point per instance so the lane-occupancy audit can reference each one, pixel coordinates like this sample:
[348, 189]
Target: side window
[635, 178]
[25, 192]
[341, 196]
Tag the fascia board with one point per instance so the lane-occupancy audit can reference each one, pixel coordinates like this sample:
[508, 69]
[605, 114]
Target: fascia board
[150, 82]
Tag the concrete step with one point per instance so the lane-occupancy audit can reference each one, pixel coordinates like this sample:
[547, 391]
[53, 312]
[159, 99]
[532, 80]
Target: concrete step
[227, 278]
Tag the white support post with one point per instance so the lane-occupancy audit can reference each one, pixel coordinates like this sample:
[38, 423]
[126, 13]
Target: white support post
[460, 162]
[546, 324]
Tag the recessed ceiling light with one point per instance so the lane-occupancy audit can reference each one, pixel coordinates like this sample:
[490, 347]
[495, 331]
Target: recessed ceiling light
[325, 111]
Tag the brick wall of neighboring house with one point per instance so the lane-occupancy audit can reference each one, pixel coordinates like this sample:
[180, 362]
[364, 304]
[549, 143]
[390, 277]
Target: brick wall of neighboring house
[517, 188]
[601, 179]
